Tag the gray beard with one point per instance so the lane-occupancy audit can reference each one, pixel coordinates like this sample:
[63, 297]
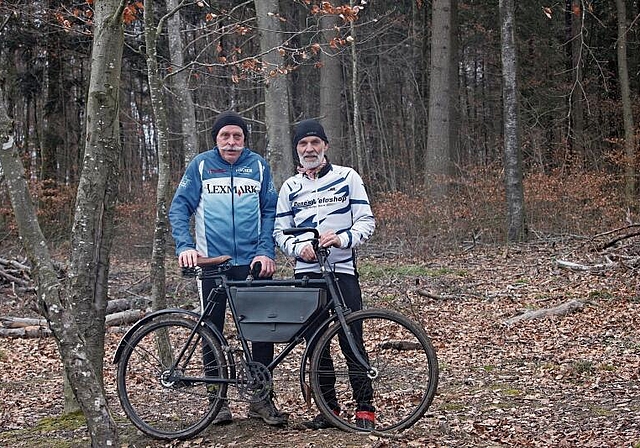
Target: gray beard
[312, 165]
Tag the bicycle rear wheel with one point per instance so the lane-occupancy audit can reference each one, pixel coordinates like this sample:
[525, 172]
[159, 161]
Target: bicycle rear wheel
[405, 379]
[166, 403]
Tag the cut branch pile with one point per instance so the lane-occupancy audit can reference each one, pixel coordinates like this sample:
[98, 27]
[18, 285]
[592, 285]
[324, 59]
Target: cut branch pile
[17, 274]
[617, 248]
[26, 327]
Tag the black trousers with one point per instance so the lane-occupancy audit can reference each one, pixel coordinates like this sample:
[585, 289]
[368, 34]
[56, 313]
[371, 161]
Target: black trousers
[360, 383]
[261, 351]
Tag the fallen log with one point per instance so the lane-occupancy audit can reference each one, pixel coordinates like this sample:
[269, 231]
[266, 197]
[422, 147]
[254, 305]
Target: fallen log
[14, 272]
[560, 310]
[15, 264]
[115, 305]
[124, 317]
[22, 322]
[28, 327]
[10, 278]
[425, 293]
[581, 267]
[25, 332]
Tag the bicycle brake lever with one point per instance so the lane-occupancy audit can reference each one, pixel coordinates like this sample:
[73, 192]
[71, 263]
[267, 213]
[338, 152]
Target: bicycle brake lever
[303, 241]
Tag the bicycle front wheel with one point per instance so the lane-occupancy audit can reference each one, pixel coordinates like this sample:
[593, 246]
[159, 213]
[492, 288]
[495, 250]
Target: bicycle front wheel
[160, 378]
[400, 386]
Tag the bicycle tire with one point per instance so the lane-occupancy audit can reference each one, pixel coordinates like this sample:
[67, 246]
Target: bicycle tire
[407, 372]
[169, 410]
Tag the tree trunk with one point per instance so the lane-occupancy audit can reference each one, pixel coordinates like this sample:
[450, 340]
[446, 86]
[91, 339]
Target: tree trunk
[574, 156]
[85, 381]
[279, 152]
[627, 113]
[357, 125]
[157, 274]
[442, 98]
[331, 112]
[53, 118]
[577, 97]
[512, 154]
[180, 76]
[92, 233]
[561, 310]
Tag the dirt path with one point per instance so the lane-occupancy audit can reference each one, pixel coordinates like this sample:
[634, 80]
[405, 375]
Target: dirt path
[564, 381]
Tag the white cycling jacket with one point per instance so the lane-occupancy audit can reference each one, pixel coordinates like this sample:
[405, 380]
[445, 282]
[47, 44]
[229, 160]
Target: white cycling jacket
[335, 200]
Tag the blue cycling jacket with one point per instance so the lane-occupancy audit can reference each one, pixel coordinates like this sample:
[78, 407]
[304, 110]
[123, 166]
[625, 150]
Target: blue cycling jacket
[233, 207]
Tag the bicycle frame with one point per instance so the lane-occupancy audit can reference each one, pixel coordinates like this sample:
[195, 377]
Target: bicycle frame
[335, 305]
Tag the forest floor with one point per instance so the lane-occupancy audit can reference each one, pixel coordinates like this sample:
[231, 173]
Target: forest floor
[560, 381]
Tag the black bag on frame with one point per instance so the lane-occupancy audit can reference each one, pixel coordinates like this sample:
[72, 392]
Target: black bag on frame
[275, 313]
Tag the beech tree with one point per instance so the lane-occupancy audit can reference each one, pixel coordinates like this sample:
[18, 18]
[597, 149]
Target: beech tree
[179, 78]
[575, 45]
[152, 31]
[331, 82]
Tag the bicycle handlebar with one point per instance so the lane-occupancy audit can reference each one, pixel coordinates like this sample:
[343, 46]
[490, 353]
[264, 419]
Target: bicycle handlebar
[203, 262]
[222, 259]
[299, 230]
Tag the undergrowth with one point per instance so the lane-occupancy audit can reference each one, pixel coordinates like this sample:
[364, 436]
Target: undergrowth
[557, 205]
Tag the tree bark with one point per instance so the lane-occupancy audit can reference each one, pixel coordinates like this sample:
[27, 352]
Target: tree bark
[516, 229]
[627, 112]
[278, 152]
[357, 125]
[180, 76]
[53, 120]
[92, 232]
[443, 97]
[331, 113]
[577, 96]
[157, 274]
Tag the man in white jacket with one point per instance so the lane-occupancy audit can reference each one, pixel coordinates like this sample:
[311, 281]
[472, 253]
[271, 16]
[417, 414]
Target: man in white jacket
[333, 199]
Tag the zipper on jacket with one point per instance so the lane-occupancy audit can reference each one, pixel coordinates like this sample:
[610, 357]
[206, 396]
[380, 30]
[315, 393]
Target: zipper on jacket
[233, 216]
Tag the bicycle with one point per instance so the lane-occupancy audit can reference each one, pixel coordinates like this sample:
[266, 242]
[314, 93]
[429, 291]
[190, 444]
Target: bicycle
[168, 392]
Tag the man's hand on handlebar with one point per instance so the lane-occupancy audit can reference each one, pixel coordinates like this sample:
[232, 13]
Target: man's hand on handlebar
[268, 265]
[329, 239]
[307, 253]
[326, 239]
[188, 258]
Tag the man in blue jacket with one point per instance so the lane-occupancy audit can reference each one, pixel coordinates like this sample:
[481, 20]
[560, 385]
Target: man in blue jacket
[231, 195]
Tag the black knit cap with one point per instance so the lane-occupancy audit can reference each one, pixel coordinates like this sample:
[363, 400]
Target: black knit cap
[308, 128]
[226, 118]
